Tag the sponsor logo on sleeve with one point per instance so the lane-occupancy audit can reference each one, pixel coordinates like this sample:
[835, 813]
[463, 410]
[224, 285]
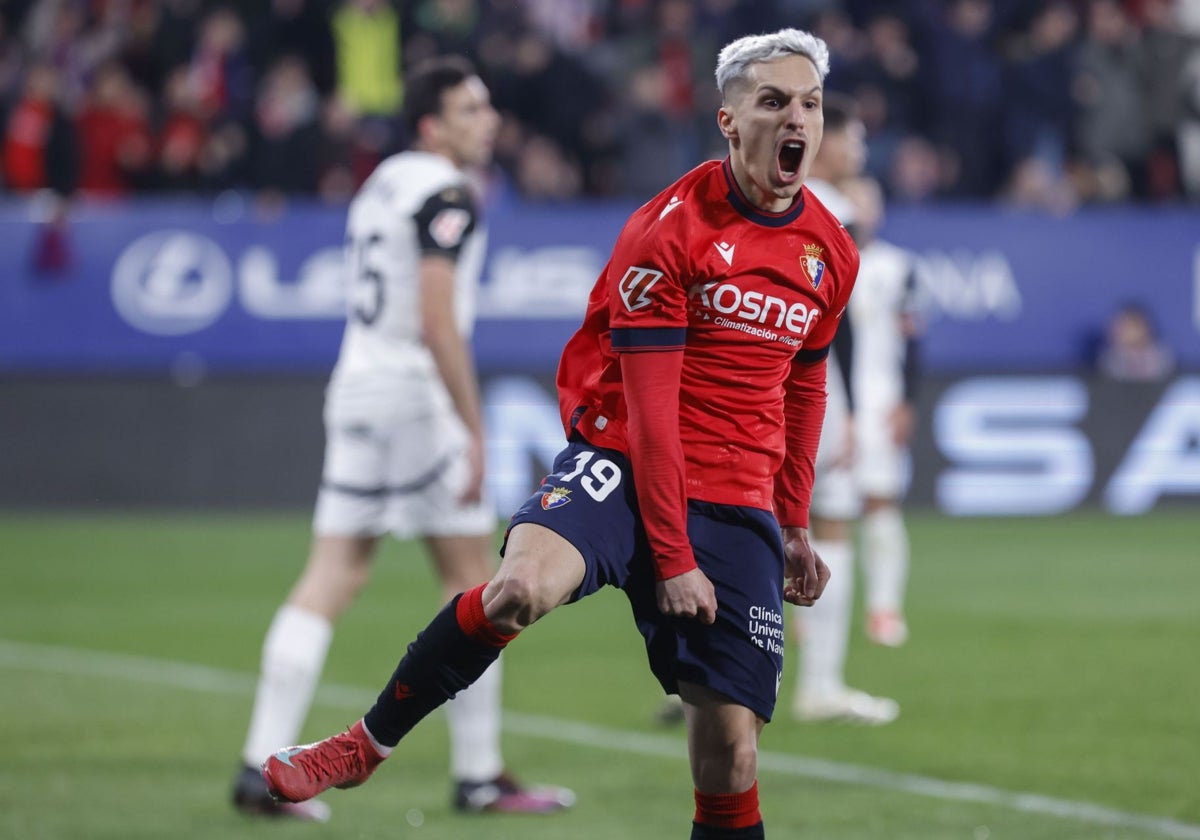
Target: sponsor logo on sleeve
[448, 226]
[635, 284]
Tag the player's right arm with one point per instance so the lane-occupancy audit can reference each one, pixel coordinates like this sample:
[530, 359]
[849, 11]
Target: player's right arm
[442, 225]
[648, 317]
[651, 382]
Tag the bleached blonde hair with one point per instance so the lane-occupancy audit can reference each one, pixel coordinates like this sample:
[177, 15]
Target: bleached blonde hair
[736, 57]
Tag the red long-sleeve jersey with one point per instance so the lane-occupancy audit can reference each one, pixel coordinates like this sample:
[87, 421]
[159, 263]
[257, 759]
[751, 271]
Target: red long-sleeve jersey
[730, 312]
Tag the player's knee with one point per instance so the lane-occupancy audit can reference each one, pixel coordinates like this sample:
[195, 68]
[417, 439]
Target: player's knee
[730, 769]
[743, 766]
[736, 769]
[517, 603]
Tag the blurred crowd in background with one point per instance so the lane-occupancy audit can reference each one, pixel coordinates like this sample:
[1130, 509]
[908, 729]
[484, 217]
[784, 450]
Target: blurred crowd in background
[1042, 103]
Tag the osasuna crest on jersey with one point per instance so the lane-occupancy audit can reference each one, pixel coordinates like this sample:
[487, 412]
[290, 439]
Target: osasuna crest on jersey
[812, 265]
[556, 498]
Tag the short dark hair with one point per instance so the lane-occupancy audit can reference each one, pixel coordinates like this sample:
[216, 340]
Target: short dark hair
[840, 110]
[427, 82]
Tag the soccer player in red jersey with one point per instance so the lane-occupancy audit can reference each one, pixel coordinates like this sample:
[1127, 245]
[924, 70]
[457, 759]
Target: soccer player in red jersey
[692, 397]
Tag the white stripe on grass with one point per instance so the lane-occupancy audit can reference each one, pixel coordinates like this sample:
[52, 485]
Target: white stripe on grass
[79, 662]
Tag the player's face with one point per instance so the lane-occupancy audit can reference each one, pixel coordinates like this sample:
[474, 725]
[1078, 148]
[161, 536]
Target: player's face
[774, 124]
[468, 123]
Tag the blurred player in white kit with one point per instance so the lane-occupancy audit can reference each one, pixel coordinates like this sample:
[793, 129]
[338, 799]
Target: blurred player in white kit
[839, 499]
[885, 311]
[404, 437]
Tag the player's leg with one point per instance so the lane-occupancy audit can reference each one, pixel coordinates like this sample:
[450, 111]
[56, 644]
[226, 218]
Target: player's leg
[459, 539]
[293, 656]
[824, 628]
[298, 639]
[543, 567]
[540, 571]
[822, 631]
[882, 477]
[473, 716]
[728, 672]
[723, 751]
[821, 690]
[885, 562]
[481, 782]
[349, 513]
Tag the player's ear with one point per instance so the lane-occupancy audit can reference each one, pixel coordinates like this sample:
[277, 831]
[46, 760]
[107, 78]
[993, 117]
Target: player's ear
[430, 129]
[726, 123]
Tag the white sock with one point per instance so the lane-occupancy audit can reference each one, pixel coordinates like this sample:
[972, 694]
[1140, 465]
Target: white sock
[825, 626]
[473, 717]
[383, 750]
[885, 559]
[292, 658]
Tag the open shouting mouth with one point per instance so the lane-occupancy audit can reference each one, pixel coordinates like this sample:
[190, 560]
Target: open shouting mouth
[791, 154]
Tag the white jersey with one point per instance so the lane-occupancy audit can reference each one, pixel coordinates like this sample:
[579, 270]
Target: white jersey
[833, 199]
[881, 305]
[843, 210]
[834, 494]
[396, 449]
[414, 204]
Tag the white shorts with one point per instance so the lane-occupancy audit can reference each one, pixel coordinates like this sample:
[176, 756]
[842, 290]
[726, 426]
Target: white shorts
[835, 490]
[395, 462]
[882, 468]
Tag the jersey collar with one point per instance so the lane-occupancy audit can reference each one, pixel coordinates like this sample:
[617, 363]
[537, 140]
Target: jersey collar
[747, 210]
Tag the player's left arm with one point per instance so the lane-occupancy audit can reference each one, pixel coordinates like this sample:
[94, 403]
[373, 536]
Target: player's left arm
[804, 413]
[805, 573]
[651, 382]
[443, 224]
[648, 311]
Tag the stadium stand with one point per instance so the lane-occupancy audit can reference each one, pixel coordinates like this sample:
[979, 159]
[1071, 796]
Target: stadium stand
[1044, 104]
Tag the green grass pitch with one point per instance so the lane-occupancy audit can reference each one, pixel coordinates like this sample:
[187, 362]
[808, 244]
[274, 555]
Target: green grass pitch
[1050, 690]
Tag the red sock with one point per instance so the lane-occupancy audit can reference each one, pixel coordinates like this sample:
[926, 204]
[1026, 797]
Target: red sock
[729, 810]
[474, 622]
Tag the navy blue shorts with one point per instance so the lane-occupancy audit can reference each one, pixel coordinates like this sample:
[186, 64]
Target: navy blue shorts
[590, 501]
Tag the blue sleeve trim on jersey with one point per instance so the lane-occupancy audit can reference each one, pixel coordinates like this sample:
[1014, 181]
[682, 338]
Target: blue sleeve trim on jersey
[810, 356]
[633, 339]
